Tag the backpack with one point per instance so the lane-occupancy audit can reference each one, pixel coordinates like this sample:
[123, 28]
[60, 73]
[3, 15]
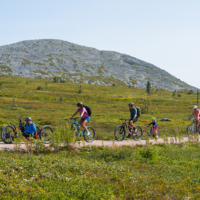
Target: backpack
[138, 111]
[89, 111]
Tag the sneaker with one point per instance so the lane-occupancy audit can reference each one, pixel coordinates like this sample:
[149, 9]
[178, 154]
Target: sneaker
[157, 137]
[77, 134]
[128, 136]
[88, 133]
[135, 130]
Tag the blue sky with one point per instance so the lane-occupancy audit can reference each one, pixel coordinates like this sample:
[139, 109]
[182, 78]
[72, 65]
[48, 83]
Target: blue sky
[165, 33]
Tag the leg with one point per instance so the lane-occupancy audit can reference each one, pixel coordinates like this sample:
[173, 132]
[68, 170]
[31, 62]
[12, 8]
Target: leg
[83, 125]
[131, 125]
[80, 122]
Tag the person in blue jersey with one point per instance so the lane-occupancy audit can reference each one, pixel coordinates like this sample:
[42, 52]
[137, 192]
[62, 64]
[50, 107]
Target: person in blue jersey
[29, 129]
[133, 117]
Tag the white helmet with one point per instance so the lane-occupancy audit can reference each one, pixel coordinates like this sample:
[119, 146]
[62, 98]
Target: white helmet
[195, 107]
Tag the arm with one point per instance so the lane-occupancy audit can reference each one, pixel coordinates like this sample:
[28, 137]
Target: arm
[135, 113]
[191, 115]
[82, 114]
[34, 128]
[74, 114]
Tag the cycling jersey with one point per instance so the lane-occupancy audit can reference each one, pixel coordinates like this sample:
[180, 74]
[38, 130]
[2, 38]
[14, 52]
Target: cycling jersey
[197, 113]
[155, 124]
[30, 129]
[133, 113]
[85, 115]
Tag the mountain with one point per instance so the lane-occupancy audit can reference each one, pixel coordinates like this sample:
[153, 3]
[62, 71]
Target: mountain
[57, 58]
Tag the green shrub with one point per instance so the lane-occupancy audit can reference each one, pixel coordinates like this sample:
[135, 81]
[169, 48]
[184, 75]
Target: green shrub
[39, 88]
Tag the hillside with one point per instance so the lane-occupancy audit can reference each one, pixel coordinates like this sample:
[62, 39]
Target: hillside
[57, 58]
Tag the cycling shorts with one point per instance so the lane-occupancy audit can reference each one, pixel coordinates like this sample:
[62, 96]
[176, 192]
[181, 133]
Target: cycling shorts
[134, 120]
[87, 118]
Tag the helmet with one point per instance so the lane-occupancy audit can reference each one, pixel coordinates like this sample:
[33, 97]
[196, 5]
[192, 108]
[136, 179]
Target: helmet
[131, 104]
[79, 104]
[153, 118]
[28, 119]
[195, 107]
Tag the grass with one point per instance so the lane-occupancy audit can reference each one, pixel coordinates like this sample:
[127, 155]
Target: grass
[108, 103]
[163, 171]
[153, 172]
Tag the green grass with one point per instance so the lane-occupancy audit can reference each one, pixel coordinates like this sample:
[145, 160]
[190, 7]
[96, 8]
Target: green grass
[154, 172]
[108, 103]
[150, 172]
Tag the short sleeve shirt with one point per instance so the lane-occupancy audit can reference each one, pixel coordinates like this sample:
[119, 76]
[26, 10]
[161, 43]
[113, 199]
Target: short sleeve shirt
[85, 115]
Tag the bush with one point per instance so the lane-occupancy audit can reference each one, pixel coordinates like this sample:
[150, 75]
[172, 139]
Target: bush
[190, 92]
[39, 88]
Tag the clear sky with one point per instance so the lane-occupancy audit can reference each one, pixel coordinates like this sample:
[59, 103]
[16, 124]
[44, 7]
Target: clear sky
[165, 33]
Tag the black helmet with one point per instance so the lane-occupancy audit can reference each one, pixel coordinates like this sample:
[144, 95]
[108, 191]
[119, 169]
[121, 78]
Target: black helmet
[28, 119]
[79, 104]
[131, 104]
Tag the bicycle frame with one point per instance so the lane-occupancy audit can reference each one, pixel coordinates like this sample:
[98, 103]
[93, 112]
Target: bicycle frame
[77, 125]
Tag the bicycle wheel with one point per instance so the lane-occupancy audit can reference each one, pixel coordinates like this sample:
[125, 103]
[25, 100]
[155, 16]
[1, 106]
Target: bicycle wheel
[92, 135]
[120, 133]
[191, 129]
[152, 135]
[137, 134]
[46, 133]
[7, 134]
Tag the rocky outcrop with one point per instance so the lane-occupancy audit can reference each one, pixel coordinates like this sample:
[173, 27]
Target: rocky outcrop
[57, 58]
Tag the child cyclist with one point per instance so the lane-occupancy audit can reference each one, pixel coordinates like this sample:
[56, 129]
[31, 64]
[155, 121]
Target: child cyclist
[197, 113]
[155, 126]
[85, 118]
[133, 117]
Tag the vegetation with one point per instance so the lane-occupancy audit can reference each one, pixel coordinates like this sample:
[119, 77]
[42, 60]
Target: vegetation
[61, 171]
[148, 87]
[152, 172]
[108, 103]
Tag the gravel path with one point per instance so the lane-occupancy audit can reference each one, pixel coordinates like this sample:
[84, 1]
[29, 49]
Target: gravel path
[106, 143]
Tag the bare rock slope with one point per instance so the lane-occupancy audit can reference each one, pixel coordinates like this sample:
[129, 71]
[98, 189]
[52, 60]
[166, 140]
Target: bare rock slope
[57, 58]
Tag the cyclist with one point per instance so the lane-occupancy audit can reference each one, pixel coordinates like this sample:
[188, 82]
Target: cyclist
[85, 118]
[197, 113]
[155, 126]
[29, 128]
[134, 118]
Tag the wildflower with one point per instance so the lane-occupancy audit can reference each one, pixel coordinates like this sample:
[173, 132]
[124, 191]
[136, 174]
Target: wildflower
[166, 129]
[176, 130]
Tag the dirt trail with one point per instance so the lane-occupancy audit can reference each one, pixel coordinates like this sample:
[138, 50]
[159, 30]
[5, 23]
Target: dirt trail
[106, 143]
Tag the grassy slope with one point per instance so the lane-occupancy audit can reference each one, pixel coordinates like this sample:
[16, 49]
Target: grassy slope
[158, 172]
[108, 104]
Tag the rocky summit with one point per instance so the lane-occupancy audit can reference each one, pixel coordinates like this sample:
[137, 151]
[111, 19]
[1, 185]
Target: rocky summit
[63, 60]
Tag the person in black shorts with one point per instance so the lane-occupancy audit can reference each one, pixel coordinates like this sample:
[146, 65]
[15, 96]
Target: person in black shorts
[134, 117]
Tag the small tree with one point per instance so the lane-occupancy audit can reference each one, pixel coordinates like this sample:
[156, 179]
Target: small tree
[174, 93]
[148, 88]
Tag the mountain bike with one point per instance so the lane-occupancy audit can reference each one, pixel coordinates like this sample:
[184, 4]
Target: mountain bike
[76, 127]
[10, 132]
[193, 127]
[120, 131]
[152, 133]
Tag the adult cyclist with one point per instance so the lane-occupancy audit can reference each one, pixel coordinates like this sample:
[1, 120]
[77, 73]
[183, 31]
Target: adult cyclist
[29, 129]
[197, 113]
[133, 117]
[85, 118]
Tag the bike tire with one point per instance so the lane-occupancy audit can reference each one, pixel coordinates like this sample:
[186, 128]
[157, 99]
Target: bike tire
[92, 136]
[150, 135]
[191, 130]
[3, 137]
[139, 133]
[45, 133]
[121, 133]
